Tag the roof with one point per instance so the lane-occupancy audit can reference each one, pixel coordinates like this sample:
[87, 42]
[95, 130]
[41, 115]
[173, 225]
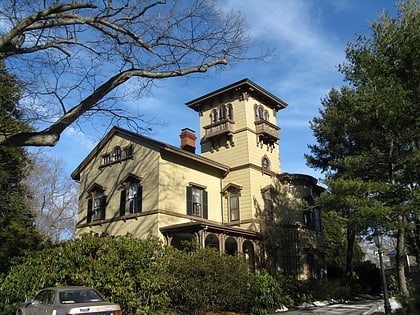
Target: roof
[245, 85]
[193, 227]
[157, 145]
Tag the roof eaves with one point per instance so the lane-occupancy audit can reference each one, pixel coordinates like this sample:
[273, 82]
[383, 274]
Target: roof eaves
[195, 104]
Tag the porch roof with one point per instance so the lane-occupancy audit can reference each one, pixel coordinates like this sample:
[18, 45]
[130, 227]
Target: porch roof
[192, 227]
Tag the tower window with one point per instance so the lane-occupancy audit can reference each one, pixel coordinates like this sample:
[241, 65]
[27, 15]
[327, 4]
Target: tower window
[261, 113]
[213, 116]
[265, 164]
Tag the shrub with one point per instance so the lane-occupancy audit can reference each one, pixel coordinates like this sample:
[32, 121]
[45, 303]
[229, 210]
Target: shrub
[268, 294]
[124, 269]
[369, 277]
[207, 280]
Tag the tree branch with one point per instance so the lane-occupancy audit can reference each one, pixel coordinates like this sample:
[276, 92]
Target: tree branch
[51, 135]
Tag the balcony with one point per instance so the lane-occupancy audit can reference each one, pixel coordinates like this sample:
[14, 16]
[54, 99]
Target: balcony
[224, 127]
[267, 133]
[220, 134]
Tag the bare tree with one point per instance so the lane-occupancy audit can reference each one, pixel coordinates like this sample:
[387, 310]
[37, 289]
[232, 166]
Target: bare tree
[73, 56]
[53, 197]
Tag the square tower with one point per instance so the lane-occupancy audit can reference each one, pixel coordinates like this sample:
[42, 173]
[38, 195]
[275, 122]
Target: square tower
[238, 128]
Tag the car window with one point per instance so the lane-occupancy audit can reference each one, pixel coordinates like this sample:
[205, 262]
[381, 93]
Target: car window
[79, 296]
[49, 297]
[41, 297]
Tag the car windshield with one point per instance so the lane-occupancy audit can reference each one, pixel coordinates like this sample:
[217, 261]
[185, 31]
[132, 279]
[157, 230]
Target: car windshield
[79, 296]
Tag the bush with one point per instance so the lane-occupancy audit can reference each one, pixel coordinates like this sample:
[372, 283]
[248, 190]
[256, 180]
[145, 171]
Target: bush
[126, 270]
[369, 277]
[145, 277]
[268, 294]
[207, 280]
[142, 276]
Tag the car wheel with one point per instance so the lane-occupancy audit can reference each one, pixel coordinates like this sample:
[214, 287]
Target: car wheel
[19, 312]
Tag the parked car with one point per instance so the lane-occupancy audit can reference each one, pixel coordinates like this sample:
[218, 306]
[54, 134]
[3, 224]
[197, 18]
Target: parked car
[68, 301]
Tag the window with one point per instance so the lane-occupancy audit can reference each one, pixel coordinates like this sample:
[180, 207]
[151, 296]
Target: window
[96, 203]
[229, 111]
[265, 164]
[117, 154]
[97, 207]
[221, 113]
[261, 113]
[131, 195]
[45, 297]
[197, 202]
[312, 219]
[128, 152]
[234, 207]
[268, 203]
[106, 159]
[213, 116]
[232, 192]
[134, 198]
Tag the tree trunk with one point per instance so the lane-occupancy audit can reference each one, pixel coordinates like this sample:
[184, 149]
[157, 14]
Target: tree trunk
[417, 242]
[402, 283]
[351, 236]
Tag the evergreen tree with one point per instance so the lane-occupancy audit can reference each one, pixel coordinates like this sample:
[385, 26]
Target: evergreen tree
[370, 131]
[17, 231]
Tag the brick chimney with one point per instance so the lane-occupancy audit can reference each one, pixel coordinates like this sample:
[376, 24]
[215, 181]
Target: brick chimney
[188, 138]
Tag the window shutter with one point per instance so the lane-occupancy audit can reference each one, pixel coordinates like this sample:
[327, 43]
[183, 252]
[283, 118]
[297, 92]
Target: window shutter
[89, 211]
[205, 208]
[103, 204]
[123, 197]
[139, 198]
[189, 200]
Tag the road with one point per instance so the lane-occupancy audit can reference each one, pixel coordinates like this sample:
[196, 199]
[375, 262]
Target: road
[352, 308]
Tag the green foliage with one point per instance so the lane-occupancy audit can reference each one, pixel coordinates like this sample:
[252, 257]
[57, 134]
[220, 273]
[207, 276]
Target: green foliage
[207, 280]
[124, 269]
[369, 277]
[268, 296]
[392, 282]
[368, 132]
[143, 276]
[307, 291]
[348, 210]
[17, 231]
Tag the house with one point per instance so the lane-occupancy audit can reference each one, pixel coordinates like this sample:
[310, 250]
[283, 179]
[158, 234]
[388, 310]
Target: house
[133, 184]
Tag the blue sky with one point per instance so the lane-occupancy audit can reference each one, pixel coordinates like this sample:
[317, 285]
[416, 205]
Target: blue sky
[310, 37]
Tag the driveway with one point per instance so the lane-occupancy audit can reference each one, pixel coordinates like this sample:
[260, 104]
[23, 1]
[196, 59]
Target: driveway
[367, 307]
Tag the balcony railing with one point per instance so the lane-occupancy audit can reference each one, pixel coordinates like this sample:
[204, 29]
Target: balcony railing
[265, 128]
[219, 128]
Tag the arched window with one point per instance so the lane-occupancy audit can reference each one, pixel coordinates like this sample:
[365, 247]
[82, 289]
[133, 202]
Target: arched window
[229, 111]
[265, 164]
[116, 156]
[261, 112]
[213, 116]
[222, 112]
